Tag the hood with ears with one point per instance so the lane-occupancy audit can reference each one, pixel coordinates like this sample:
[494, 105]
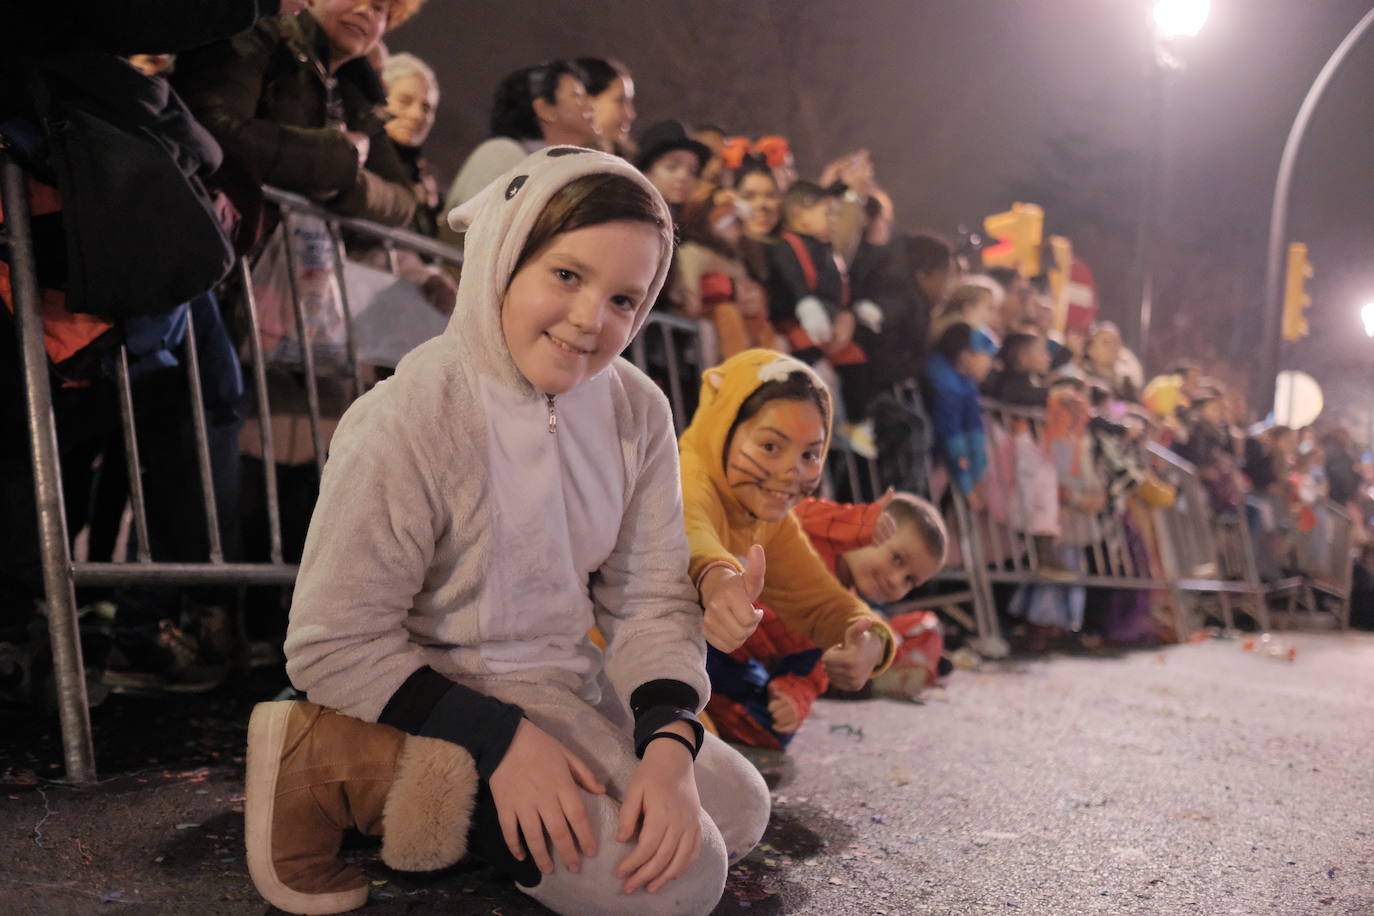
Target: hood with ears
[724, 390]
[498, 221]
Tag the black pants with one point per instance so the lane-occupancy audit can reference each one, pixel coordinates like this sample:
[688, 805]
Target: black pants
[298, 487]
[858, 385]
[88, 428]
[902, 433]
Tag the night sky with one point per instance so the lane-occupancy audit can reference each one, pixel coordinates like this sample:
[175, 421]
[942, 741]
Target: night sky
[968, 105]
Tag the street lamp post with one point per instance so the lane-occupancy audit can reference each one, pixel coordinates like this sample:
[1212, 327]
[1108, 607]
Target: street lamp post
[1278, 217]
[1174, 21]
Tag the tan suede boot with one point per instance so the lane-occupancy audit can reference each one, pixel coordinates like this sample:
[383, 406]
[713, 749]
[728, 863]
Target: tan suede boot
[313, 773]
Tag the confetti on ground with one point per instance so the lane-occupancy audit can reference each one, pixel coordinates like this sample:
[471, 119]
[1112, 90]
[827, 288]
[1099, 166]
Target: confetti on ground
[847, 729]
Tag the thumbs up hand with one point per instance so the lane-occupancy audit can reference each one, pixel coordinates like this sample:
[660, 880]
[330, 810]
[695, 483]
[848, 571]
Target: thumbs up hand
[850, 664]
[729, 597]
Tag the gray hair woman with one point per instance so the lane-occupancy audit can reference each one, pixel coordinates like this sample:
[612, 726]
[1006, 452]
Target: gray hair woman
[412, 100]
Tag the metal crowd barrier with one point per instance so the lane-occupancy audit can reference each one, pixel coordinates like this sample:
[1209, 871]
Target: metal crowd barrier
[1095, 544]
[679, 347]
[78, 749]
[1192, 553]
[1325, 558]
[60, 574]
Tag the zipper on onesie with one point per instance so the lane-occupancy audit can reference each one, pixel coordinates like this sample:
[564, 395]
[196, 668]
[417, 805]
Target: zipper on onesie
[553, 416]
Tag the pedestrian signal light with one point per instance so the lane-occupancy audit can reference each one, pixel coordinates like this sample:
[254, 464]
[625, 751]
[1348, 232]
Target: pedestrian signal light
[1018, 232]
[1295, 297]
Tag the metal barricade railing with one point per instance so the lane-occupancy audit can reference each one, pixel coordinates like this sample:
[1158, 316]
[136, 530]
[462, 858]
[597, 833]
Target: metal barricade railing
[216, 570]
[1021, 461]
[1189, 552]
[60, 574]
[1211, 554]
[677, 343]
[1205, 554]
[78, 748]
[1091, 547]
[1325, 557]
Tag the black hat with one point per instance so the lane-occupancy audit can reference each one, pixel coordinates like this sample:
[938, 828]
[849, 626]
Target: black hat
[664, 137]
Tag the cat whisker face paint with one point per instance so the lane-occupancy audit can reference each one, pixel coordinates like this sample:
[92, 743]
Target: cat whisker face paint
[774, 458]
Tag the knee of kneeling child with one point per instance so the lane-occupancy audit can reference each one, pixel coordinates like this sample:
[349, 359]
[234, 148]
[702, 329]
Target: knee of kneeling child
[597, 890]
[746, 827]
[699, 888]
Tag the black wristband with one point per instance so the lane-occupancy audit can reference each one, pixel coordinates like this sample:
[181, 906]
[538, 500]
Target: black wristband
[663, 692]
[651, 721]
[691, 749]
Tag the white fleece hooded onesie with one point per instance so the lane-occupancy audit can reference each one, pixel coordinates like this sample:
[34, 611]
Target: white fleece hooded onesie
[460, 538]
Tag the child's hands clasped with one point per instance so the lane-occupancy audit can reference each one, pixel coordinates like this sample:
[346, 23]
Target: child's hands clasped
[663, 793]
[535, 788]
[850, 664]
[728, 598]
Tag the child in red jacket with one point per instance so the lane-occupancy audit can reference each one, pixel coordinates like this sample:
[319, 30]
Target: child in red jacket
[763, 691]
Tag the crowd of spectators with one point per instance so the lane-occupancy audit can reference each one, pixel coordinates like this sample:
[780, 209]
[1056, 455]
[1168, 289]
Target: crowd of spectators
[908, 328]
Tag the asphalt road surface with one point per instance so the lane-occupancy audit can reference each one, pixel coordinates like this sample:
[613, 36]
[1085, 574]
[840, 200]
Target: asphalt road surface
[1199, 779]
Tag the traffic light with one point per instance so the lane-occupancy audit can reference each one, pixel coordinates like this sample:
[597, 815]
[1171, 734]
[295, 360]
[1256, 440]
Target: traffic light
[1295, 297]
[1018, 232]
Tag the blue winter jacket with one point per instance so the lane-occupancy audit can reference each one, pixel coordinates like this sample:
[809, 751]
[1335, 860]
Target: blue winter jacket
[958, 422]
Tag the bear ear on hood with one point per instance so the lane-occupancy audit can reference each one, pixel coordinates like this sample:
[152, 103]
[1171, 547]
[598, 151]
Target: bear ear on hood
[460, 217]
[713, 378]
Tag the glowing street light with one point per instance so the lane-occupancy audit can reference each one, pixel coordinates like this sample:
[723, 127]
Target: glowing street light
[1176, 22]
[1180, 18]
